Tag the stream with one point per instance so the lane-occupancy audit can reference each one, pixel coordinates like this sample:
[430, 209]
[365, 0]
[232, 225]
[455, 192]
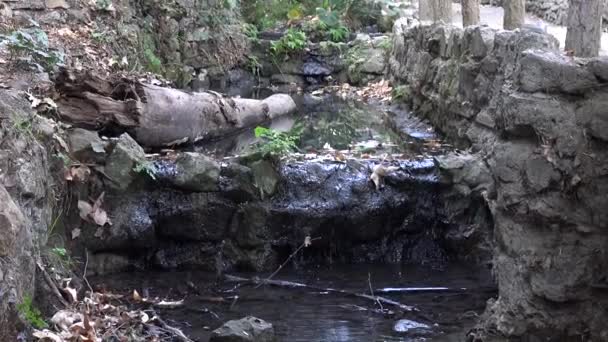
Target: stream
[365, 133]
[304, 315]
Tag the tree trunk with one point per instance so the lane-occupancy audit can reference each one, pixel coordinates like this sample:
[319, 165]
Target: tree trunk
[584, 27]
[442, 11]
[157, 116]
[425, 13]
[470, 12]
[515, 14]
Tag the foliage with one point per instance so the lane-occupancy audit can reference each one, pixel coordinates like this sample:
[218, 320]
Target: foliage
[386, 44]
[401, 93]
[251, 31]
[338, 34]
[31, 314]
[60, 258]
[154, 64]
[34, 44]
[277, 143]
[292, 41]
[254, 65]
[146, 168]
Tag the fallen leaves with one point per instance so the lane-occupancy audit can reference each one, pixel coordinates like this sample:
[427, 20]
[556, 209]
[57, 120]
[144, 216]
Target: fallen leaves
[94, 213]
[102, 317]
[78, 173]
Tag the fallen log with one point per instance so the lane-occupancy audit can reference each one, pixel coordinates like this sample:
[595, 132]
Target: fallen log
[284, 283]
[157, 116]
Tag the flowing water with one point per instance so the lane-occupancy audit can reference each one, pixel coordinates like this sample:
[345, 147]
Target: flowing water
[308, 315]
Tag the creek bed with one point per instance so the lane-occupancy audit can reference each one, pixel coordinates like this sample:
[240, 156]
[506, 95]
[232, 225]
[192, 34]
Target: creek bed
[305, 315]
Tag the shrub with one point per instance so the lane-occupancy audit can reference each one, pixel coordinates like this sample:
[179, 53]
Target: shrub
[275, 143]
[34, 44]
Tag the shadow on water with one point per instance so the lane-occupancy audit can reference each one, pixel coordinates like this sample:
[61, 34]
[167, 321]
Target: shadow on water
[306, 315]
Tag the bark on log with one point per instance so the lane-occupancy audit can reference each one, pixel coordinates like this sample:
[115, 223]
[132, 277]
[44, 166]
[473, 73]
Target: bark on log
[515, 12]
[470, 12]
[584, 27]
[157, 116]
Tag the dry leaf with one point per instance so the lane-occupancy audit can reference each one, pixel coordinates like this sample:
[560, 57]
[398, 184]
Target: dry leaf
[307, 241]
[144, 317]
[85, 209]
[71, 293]
[170, 304]
[100, 217]
[47, 335]
[136, 296]
[76, 233]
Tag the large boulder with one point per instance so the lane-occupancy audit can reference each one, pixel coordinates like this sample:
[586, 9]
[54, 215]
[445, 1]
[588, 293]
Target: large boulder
[248, 329]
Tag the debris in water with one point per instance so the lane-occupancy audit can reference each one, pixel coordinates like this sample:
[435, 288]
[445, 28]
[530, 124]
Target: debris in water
[405, 325]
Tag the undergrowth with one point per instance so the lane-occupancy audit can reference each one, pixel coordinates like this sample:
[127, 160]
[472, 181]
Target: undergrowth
[31, 314]
[275, 143]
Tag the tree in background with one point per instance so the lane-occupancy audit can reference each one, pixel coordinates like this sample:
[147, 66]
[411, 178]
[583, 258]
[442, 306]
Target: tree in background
[442, 10]
[515, 13]
[470, 12]
[425, 13]
[584, 27]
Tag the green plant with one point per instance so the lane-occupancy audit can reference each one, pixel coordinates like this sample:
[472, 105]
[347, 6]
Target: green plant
[292, 41]
[254, 65]
[34, 44]
[251, 31]
[275, 143]
[338, 34]
[401, 93]
[154, 64]
[146, 168]
[386, 44]
[31, 314]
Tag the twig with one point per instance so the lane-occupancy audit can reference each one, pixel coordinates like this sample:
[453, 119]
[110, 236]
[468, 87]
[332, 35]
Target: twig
[84, 273]
[52, 285]
[304, 244]
[175, 331]
[371, 290]
[284, 283]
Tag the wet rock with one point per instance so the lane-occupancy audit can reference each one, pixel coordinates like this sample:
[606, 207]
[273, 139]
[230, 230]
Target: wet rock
[313, 68]
[553, 72]
[193, 217]
[248, 329]
[86, 145]
[107, 263]
[236, 182]
[122, 161]
[406, 325]
[196, 172]
[265, 177]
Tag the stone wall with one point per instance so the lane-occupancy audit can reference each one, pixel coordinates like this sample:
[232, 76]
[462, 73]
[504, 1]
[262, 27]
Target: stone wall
[539, 121]
[27, 200]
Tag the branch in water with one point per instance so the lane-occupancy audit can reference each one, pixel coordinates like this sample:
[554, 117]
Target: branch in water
[284, 283]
